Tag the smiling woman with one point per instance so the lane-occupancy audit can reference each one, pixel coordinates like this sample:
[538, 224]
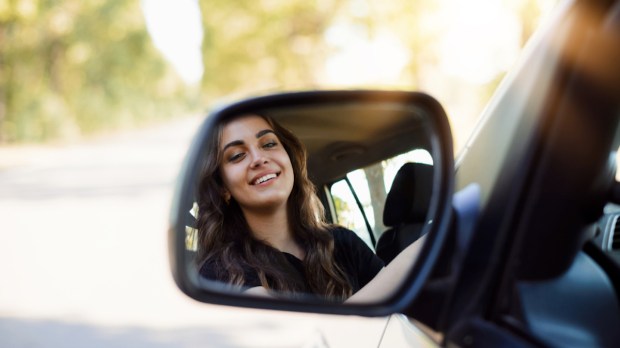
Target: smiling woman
[269, 233]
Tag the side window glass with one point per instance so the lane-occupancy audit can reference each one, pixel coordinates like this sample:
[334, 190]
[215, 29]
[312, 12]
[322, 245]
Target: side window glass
[371, 185]
[348, 213]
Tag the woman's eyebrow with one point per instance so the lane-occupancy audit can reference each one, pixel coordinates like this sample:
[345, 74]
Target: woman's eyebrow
[240, 142]
[233, 143]
[263, 132]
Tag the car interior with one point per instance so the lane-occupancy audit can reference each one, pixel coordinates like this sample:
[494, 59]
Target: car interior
[341, 140]
[405, 209]
[606, 236]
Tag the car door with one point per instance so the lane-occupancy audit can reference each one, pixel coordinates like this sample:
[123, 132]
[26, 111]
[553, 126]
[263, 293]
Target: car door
[542, 163]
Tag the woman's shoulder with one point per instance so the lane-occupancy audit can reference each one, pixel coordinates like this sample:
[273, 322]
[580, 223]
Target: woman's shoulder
[343, 235]
[339, 230]
[355, 257]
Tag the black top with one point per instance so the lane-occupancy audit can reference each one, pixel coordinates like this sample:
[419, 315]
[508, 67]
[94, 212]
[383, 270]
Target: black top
[351, 254]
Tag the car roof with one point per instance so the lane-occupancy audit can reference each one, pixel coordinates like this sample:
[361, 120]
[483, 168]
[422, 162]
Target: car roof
[342, 137]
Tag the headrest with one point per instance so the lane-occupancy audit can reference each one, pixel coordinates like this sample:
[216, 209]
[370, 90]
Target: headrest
[410, 195]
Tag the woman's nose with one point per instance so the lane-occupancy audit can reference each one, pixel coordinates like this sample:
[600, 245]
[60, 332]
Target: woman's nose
[258, 159]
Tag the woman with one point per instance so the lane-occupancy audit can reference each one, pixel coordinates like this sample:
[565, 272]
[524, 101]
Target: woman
[260, 224]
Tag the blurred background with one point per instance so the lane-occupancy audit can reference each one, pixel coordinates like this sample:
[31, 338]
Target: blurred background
[70, 69]
[99, 101]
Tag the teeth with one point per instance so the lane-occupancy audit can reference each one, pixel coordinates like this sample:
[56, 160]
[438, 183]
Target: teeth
[264, 178]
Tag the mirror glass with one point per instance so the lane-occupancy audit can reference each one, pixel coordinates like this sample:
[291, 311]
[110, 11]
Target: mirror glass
[311, 202]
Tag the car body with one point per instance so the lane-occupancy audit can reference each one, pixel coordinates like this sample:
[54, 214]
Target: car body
[531, 254]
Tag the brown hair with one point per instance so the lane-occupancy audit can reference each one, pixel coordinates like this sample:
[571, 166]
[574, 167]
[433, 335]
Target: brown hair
[225, 241]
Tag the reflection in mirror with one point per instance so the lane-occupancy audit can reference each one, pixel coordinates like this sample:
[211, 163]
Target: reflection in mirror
[323, 202]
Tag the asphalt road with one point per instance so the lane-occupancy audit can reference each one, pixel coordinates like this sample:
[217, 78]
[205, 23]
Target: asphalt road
[83, 255]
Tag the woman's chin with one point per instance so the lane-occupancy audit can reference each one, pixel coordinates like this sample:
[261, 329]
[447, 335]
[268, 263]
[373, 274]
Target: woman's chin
[267, 204]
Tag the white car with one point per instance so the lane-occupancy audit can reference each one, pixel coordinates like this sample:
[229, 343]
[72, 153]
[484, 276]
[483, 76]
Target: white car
[521, 247]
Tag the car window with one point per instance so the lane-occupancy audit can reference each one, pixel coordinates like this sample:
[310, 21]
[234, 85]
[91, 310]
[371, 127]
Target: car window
[369, 186]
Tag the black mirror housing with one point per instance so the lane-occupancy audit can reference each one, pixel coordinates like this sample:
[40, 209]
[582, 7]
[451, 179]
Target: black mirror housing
[349, 104]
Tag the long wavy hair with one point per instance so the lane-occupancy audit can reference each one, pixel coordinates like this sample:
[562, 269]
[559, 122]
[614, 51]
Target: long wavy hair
[225, 240]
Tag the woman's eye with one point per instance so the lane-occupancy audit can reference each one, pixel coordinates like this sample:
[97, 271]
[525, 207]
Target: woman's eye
[236, 157]
[270, 144]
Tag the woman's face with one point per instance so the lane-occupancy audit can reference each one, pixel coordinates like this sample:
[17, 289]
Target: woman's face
[256, 169]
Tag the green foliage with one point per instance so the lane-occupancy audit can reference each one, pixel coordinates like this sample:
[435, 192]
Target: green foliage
[71, 67]
[257, 46]
[254, 45]
[342, 209]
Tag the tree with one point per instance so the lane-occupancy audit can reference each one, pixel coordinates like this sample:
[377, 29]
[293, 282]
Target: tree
[251, 46]
[70, 67]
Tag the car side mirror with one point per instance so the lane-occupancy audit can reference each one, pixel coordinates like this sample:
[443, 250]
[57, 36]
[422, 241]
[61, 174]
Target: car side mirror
[347, 135]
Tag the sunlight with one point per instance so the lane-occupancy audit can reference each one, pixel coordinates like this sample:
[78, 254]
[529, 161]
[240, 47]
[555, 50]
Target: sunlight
[482, 40]
[360, 59]
[176, 30]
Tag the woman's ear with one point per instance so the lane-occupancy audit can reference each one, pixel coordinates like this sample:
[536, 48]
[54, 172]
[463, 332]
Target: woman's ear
[226, 195]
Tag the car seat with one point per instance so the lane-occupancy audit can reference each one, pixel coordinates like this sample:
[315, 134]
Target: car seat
[405, 210]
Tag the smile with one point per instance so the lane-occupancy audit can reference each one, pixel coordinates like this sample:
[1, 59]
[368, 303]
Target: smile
[264, 178]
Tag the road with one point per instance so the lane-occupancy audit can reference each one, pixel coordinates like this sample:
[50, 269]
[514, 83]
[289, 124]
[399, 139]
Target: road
[83, 255]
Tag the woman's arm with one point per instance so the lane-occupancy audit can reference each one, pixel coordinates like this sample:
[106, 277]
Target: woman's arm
[390, 276]
[383, 283]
